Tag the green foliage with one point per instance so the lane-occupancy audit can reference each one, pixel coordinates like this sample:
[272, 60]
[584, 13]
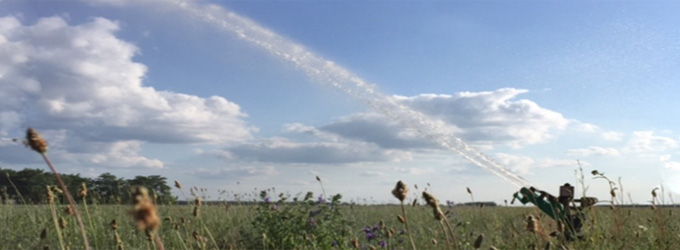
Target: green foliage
[29, 185]
[306, 224]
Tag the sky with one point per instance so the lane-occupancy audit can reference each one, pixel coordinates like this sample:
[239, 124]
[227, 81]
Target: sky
[249, 95]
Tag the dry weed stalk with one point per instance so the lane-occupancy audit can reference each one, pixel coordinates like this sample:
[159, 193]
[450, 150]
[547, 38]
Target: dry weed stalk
[400, 191]
[38, 144]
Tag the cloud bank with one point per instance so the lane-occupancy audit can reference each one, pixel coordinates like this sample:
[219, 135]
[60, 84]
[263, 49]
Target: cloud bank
[81, 82]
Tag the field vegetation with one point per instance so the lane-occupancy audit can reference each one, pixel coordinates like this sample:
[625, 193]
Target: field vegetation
[138, 216]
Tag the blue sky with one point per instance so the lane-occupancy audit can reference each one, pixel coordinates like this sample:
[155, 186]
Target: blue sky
[169, 88]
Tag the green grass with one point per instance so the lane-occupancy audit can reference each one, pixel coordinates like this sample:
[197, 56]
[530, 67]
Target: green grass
[233, 227]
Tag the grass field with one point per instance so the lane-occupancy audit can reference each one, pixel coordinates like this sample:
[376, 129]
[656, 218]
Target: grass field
[327, 224]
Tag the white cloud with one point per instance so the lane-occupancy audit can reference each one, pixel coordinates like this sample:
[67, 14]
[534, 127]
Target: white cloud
[483, 119]
[593, 150]
[492, 116]
[612, 136]
[647, 141]
[517, 163]
[373, 174]
[553, 163]
[82, 79]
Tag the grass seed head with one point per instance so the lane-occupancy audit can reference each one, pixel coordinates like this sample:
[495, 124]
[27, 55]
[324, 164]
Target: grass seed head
[532, 225]
[400, 191]
[83, 190]
[114, 224]
[35, 141]
[68, 210]
[401, 219]
[430, 199]
[144, 211]
[62, 223]
[196, 212]
[178, 185]
[355, 243]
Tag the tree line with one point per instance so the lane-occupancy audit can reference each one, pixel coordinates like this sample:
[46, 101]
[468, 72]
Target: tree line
[29, 186]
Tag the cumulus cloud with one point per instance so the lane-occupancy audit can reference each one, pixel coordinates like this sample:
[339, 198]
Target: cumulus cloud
[648, 141]
[82, 79]
[377, 129]
[491, 116]
[594, 151]
[480, 118]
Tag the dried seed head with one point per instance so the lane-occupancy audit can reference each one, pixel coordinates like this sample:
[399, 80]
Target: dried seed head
[468, 190]
[68, 210]
[318, 179]
[196, 212]
[612, 192]
[198, 202]
[595, 172]
[114, 224]
[35, 141]
[144, 211]
[401, 219]
[355, 243]
[654, 192]
[415, 202]
[434, 241]
[430, 199]
[83, 190]
[532, 225]
[62, 223]
[478, 241]
[400, 191]
[178, 185]
[50, 195]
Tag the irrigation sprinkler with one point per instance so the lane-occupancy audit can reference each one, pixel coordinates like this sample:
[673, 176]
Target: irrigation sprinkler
[562, 209]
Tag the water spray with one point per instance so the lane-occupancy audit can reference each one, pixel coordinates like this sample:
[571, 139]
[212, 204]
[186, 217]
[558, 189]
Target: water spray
[323, 71]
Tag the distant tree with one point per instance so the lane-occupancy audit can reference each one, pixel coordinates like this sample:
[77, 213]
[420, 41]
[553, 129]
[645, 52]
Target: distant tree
[107, 188]
[110, 189]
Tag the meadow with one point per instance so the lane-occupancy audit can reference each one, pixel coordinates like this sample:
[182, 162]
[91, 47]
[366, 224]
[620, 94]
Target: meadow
[278, 221]
[266, 219]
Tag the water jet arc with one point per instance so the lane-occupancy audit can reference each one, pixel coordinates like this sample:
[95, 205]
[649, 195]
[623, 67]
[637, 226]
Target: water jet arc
[327, 72]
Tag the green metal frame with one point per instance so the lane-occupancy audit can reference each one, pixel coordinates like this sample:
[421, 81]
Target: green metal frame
[543, 201]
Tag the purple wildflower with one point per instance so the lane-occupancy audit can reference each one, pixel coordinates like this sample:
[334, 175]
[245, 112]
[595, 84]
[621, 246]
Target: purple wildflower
[370, 236]
[383, 244]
